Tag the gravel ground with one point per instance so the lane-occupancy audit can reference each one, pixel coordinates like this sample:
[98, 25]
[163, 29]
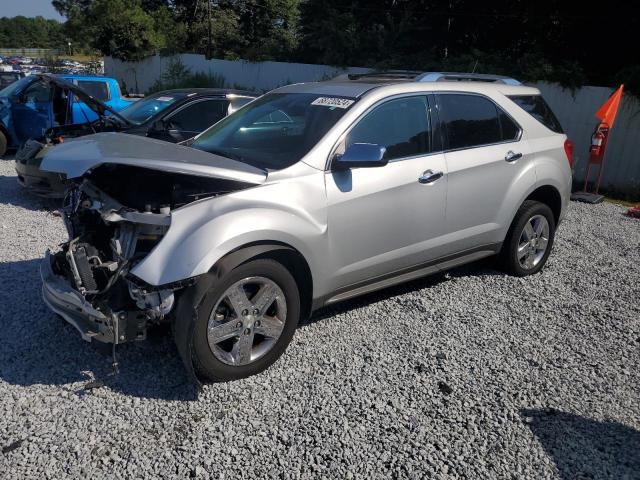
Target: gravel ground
[472, 374]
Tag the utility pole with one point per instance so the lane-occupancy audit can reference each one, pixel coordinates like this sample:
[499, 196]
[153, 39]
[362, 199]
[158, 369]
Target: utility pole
[209, 53]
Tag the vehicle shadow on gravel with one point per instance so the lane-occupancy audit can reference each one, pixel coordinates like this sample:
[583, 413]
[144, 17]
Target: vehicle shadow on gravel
[39, 348]
[13, 194]
[583, 448]
[481, 268]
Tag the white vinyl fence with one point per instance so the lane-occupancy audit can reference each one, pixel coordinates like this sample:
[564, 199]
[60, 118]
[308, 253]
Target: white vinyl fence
[575, 109]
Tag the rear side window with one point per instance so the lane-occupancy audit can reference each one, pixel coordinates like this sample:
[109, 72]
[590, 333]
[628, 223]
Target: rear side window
[97, 90]
[535, 106]
[401, 126]
[199, 116]
[469, 120]
[472, 121]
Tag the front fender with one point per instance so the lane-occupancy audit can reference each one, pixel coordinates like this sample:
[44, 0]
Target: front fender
[291, 212]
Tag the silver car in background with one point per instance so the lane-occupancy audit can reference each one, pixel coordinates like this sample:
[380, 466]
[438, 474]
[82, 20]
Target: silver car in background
[309, 195]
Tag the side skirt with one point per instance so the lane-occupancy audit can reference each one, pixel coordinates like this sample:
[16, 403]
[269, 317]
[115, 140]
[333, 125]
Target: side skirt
[408, 274]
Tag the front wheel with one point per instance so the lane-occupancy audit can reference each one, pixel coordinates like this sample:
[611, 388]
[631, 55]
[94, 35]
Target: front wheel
[246, 321]
[529, 240]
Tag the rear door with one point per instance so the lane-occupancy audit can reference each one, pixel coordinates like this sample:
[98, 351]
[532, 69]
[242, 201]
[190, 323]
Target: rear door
[486, 156]
[383, 220]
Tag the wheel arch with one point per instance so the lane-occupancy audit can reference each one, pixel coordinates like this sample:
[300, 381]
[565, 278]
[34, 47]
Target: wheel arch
[550, 196]
[283, 253]
[6, 134]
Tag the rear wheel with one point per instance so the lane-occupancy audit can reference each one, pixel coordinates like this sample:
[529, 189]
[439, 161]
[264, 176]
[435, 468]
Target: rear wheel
[3, 143]
[246, 321]
[529, 240]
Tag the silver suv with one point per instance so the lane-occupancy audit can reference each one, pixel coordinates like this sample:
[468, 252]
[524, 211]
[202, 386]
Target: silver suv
[307, 196]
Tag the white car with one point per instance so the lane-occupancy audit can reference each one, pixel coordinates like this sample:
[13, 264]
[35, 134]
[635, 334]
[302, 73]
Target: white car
[309, 195]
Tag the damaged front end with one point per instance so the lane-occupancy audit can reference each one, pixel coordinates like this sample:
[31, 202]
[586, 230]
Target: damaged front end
[88, 282]
[115, 217]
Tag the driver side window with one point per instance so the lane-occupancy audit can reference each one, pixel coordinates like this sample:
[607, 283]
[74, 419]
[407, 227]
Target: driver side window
[37, 93]
[400, 125]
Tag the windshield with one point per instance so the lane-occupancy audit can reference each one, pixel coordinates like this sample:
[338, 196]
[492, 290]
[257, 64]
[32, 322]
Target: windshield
[274, 131]
[142, 110]
[15, 87]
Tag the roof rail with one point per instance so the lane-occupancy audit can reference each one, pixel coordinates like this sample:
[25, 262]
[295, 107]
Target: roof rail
[465, 77]
[416, 76]
[404, 74]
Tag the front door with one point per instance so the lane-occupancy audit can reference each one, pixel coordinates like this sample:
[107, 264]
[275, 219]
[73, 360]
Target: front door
[387, 219]
[33, 113]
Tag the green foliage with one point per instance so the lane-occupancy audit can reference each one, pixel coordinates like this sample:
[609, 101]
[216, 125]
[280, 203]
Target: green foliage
[177, 75]
[23, 32]
[122, 29]
[630, 77]
[562, 42]
[544, 40]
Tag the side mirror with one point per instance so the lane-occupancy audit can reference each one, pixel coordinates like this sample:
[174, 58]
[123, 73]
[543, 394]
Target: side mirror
[361, 155]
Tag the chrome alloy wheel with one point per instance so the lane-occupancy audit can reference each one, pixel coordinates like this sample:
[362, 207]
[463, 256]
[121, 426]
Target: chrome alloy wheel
[533, 242]
[247, 321]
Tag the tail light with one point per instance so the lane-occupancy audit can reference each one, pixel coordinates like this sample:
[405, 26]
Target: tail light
[568, 149]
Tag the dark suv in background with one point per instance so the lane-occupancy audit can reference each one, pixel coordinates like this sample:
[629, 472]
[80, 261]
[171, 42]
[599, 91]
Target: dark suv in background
[172, 116]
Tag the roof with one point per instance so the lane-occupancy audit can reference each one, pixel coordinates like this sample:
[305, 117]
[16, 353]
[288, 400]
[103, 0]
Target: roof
[208, 92]
[356, 89]
[84, 77]
[341, 89]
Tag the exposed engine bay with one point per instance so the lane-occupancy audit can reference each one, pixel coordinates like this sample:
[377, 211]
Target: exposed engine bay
[115, 216]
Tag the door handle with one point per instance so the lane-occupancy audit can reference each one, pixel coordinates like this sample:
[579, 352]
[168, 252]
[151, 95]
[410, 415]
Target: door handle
[512, 156]
[430, 176]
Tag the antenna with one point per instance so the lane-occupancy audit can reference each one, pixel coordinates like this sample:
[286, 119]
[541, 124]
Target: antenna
[209, 30]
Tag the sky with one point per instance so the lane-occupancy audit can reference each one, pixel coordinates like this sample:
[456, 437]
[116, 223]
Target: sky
[28, 8]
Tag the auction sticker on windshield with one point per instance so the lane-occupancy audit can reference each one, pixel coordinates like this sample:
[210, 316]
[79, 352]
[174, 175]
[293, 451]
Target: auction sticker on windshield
[333, 102]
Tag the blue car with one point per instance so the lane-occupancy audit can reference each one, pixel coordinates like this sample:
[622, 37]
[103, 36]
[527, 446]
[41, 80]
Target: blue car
[36, 103]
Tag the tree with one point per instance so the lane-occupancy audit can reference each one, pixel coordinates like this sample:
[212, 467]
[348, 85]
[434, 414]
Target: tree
[37, 32]
[119, 28]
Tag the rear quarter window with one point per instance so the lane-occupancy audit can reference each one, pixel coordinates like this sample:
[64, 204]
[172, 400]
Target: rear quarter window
[98, 90]
[536, 106]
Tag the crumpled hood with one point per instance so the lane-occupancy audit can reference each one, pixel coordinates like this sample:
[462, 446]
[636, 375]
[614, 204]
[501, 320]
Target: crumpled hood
[75, 157]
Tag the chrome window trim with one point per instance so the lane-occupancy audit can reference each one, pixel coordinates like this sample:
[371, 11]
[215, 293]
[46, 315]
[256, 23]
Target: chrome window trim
[369, 110]
[504, 142]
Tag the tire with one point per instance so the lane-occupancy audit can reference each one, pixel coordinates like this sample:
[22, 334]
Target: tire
[3, 143]
[213, 354]
[525, 254]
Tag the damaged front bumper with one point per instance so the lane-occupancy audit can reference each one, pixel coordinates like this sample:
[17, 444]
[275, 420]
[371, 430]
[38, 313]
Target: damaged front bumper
[87, 281]
[67, 302]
